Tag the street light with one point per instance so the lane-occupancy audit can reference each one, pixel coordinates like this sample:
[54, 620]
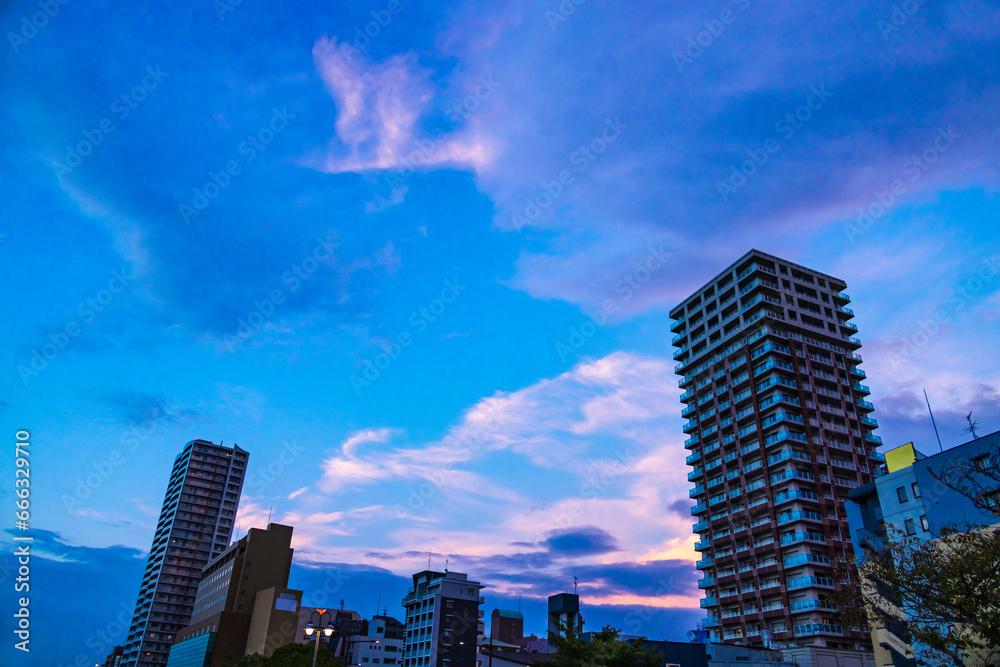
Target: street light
[310, 629]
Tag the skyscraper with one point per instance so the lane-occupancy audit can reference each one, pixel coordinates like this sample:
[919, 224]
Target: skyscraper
[779, 433]
[195, 526]
[442, 620]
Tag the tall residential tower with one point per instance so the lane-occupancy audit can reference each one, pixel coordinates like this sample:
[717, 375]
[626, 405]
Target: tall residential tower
[442, 620]
[195, 526]
[779, 433]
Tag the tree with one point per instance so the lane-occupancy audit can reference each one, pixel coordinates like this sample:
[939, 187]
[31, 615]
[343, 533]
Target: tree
[604, 650]
[977, 477]
[291, 655]
[940, 596]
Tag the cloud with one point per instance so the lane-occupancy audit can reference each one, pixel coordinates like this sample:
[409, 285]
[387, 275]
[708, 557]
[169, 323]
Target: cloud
[585, 541]
[379, 109]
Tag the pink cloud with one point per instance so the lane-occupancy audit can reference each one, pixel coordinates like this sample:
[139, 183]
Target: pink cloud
[379, 106]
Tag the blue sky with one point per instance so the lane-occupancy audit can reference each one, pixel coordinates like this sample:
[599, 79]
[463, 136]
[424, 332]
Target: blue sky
[364, 258]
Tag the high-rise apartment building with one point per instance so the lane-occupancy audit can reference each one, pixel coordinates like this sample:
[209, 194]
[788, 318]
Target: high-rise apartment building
[195, 526]
[780, 432]
[442, 620]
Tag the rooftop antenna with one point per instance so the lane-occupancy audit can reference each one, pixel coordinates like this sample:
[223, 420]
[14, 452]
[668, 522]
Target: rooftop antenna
[269, 514]
[341, 604]
[972, 426]
[379, 603]
[574, 585]
[940, 446]
[446, 566]
[428, 559]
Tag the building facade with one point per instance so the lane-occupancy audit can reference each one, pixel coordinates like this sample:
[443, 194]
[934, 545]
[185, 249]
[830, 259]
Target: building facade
[195, 526]
[507, 626]
[910, 498]
[225, 606]
[442, 620]
[779, 432]
[380, 644]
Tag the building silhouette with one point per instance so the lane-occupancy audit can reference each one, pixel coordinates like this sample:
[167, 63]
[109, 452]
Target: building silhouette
[195, 526]
[779, 433]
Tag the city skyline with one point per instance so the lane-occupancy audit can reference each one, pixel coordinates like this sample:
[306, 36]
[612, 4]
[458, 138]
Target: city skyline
[419, 261]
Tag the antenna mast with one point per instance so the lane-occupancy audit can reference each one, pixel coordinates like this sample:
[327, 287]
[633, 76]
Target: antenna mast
[940, 447]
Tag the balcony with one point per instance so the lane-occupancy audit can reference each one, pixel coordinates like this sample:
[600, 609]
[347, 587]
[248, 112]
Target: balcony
[690, 442]
[694, 474]
[693, 458]
[710, 622]
[707, 602]
[704, 563]
[877, 456]
[873, 438]
[808, 582]
[690, 426]
[699, 508]
[696, 491]
[818, 629]
[703, 544]
[789, 517]
[700, 526]
[705, 582]
[795, 538]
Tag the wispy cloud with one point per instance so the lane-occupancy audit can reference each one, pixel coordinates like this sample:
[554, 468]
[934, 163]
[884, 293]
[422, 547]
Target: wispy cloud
[380, 108]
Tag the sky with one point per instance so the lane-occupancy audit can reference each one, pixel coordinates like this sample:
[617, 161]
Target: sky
[418, 259]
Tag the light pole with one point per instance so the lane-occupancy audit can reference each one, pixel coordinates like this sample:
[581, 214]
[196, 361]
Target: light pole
[310, 629]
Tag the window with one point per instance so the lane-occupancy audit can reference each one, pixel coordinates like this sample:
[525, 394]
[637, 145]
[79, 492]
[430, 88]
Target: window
[915, 489]
[982, 462]
[901, 494]
[910, 527]
[924, 524]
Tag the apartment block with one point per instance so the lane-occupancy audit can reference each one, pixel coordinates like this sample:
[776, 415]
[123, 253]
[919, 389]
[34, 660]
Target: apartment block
[779, 432]
[442, 620]
[195, 526]
[253, 570]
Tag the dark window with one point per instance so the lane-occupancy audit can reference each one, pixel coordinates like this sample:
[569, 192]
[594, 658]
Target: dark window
[911, 529]
[901, 493]
[982, 462]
